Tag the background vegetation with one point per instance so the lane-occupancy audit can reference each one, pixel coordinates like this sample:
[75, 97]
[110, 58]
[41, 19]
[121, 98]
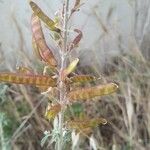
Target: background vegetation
[22, 108]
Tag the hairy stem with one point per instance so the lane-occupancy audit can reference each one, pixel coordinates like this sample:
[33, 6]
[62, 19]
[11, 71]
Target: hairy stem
[62, 87]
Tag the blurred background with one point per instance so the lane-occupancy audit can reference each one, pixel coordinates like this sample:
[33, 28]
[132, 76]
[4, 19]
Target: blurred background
[115, 47]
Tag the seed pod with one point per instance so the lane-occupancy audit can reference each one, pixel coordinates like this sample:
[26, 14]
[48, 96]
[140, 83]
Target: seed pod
[43, 50]
[76, 40]
[52, 111]
[85, 125]
[81, 79]
[38, 12]
[37, 80]
[92, 92]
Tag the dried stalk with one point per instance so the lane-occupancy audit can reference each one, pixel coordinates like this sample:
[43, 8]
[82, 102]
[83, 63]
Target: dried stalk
[63, 66]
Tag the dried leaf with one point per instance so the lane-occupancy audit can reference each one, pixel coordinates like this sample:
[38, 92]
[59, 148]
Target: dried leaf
[76, 40]
[36, 80]
[52, 111]
[70, 68]
[43, 50]
[92, 92]
[49, 22]
[81, 79]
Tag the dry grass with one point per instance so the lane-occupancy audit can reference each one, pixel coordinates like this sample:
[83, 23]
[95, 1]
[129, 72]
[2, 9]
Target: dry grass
[127, 111]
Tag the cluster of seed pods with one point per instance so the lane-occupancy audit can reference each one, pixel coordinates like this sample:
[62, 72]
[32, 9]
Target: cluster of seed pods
[45, 54]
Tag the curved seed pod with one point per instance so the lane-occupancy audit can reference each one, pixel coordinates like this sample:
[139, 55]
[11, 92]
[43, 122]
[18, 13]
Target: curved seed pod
[81, 79]
[85, 125]
[44, 51]
[76, 40]
[36, 80]
[52, 111]
[92, 92]
[49, 22]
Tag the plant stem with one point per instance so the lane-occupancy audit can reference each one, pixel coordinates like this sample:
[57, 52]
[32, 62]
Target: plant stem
[2, 141]
[62, 87]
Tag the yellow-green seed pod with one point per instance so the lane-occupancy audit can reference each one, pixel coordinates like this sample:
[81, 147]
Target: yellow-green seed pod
[92, 92]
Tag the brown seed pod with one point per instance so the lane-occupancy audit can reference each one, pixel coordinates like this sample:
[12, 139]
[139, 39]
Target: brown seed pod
[85, 125]
[49, 22]
[43, 50]
[92, 92]
[76, 40]
[81, 79]
[37, 80]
